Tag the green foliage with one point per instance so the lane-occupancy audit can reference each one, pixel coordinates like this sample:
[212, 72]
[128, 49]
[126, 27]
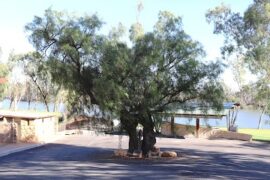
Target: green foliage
[248, 34]
[117, 32]
[71, 48]
[3, 70]
[136, 32]
[161, 68]
[230, 25]
[249, 37]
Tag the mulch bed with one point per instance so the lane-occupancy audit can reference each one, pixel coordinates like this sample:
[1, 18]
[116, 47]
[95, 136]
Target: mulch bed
[158, 158]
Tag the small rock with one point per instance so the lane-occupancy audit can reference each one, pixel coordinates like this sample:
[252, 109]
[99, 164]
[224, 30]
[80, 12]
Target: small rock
[154, 153]
[168, 154]
[134, 155]
[120, 152]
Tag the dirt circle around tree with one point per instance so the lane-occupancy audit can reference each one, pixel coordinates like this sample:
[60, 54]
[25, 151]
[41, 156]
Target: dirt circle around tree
[153, 155]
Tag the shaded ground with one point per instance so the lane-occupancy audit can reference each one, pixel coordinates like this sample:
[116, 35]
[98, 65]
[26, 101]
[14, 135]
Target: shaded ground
[90, 157]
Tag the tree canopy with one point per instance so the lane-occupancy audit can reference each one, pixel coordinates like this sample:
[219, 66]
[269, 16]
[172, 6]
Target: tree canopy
[72, 47]
[162, 69]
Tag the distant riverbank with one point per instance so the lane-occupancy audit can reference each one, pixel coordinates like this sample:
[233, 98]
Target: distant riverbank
[23, 105]
[245, 118]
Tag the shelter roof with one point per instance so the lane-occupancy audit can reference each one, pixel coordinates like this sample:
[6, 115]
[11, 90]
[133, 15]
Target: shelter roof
[210, 114]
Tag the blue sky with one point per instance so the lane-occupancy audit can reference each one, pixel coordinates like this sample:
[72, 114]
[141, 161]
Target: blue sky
[14, 14]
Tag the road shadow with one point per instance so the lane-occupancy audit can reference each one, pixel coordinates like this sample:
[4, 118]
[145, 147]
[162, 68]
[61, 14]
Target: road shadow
[61, 161]
[258, 144]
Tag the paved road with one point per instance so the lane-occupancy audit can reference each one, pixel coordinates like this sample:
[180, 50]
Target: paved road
[90, 157]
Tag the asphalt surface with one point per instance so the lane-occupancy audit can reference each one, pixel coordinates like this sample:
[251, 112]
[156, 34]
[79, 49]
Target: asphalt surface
[90, 157]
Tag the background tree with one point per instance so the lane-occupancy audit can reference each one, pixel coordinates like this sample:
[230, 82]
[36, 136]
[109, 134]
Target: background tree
[31, 95]
[3, 77]
[3, 80]
[247, 35]
[38, 85]
[16, 83]
[71, 47]
[262, 99]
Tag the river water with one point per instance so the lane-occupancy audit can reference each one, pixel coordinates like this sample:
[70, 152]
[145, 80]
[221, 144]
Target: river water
[23, 105]
[245, 118]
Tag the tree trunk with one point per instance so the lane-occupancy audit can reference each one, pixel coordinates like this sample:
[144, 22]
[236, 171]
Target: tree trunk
[133, 140]
[54, 106]
[44, 96]
[15, 103]
[18, 101]
[149, 137]
[130, 124]
[29, 104]
[11, 102]
[47, 106]
[149, 140]
[260, 120]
